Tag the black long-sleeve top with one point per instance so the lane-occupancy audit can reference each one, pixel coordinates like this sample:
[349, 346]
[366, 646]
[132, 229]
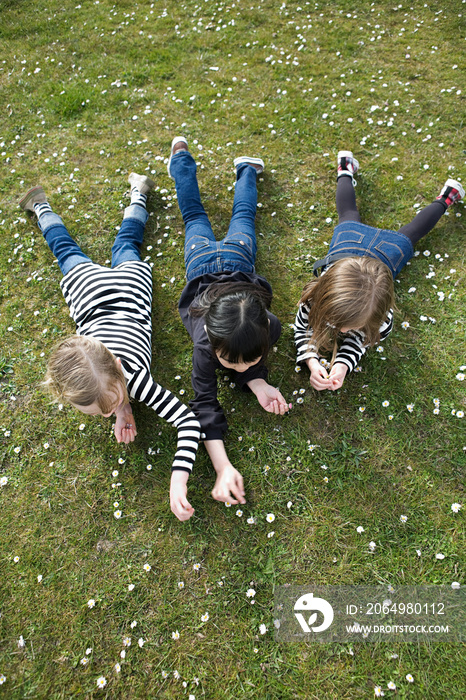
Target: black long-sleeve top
[205, 363]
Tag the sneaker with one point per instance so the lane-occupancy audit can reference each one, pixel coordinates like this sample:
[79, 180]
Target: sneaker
[143, 183]
[179, 143]
[347, 164]
[36, 195]
[256, 163]
[452, 192]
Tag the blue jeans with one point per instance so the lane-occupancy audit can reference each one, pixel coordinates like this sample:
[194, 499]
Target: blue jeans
[202, 252]
[352, 238]
[126, 246]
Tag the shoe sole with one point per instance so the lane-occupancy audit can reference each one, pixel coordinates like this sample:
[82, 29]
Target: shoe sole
[177, 139]
[457, 186]
[30, 195]
[150, 184]
[250, 161]
[348, 154]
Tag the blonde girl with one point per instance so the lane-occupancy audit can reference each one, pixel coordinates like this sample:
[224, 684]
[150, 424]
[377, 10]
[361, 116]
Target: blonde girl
[109, 358]
[350, 306]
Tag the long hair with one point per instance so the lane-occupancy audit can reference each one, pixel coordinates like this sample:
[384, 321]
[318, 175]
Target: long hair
[83, 371]
[236, 320]
[354, 293]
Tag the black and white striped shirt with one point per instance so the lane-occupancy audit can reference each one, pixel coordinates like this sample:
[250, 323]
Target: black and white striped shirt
[114, 306]
[351, 349]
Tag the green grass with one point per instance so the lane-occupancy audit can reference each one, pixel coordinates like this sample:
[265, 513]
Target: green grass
[93, 91]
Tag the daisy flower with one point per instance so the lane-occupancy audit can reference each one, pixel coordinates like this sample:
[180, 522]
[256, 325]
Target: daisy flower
[409, 678]
[205, 617]
[101, 682]
[91, 603]
[270, 517]
[456, 507]
[405, 324]
[262, 629]
[391, 685]
[147, 567]
[403, 518]
[175, 635]
[378, 692]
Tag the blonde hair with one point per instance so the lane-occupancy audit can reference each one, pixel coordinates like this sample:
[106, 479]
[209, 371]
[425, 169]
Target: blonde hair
[354, 293]
[83, 371]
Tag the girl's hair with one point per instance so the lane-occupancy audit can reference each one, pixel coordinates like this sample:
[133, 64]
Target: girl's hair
[236, 320]
[83, 371]
[355, 293]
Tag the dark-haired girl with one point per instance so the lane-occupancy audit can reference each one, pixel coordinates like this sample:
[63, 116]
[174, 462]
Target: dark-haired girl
[224, 307]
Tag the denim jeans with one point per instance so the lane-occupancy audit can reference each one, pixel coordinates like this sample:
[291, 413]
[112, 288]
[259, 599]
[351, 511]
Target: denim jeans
[202, 252]
[354, 239]
[126, 246]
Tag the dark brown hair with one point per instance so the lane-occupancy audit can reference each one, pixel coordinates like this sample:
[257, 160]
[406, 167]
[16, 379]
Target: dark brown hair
[236, 320]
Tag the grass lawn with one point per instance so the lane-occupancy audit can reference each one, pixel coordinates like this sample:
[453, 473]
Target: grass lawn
[94, 90]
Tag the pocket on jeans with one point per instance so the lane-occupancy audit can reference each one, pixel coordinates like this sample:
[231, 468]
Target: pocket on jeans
[347, 236]
[392, 253]
[240, 244]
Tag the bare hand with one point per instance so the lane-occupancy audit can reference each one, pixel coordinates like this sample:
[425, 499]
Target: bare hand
[269, 397]
[125, 427]
[319, 378]
[337, 375]
[229, 481]
[179, 503]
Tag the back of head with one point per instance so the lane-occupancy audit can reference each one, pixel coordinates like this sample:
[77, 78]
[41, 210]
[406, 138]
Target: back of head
[354, 293]
[82, 371]
[236, 320]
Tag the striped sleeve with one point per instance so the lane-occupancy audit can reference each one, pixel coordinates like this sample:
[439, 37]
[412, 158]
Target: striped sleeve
[303, 335]
[353, 347]
[142, 387]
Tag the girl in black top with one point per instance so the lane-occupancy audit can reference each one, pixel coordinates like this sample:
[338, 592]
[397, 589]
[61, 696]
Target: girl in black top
[224, 307]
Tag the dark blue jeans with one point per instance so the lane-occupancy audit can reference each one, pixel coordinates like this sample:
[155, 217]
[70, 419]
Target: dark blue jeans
[202, 252]
[126, 246]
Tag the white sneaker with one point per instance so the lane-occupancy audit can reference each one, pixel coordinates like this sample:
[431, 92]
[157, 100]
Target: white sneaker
[347, 165]
[256, 163]
[175, 142]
